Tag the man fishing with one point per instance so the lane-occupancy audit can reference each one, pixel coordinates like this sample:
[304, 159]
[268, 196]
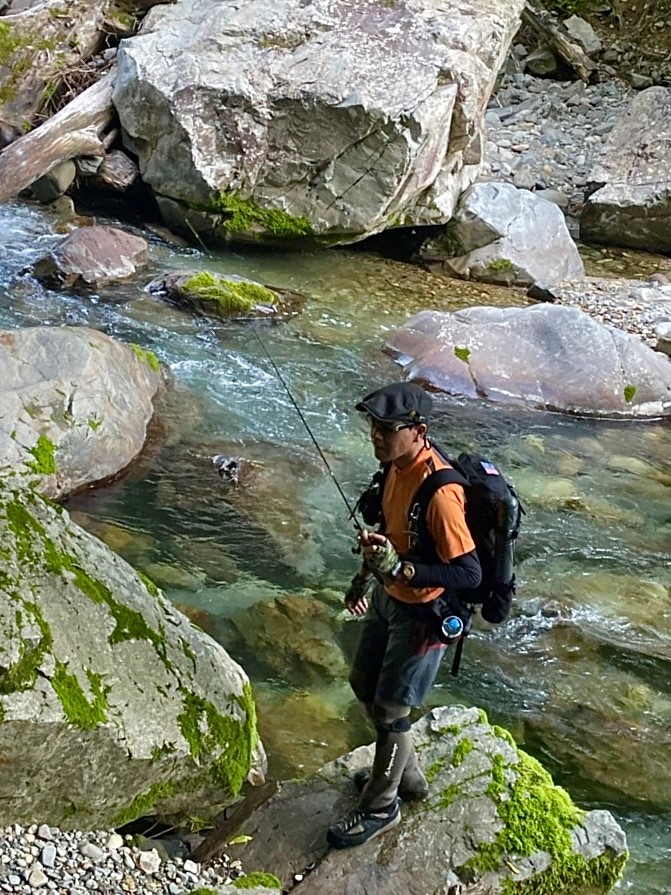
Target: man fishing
[399, 649]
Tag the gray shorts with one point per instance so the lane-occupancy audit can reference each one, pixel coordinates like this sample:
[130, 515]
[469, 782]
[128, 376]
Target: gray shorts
[398, 655]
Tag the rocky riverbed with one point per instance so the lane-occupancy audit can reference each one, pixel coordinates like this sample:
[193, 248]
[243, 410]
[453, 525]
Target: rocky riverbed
[546, 136]
[43, 858]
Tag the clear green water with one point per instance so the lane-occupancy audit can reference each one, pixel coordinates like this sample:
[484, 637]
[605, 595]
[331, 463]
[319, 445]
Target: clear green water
[582, 673]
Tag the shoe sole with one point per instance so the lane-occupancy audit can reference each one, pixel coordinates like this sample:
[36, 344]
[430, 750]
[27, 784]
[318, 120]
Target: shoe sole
[390, 826]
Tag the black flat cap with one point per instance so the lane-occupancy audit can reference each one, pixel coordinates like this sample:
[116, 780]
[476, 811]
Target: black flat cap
[400, 402]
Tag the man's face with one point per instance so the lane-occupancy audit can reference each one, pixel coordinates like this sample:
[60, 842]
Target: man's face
[395, 442]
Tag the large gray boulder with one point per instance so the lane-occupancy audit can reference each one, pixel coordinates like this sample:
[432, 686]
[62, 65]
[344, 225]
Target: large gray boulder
[501, 234]
[331, 120]
[494, 822]
[112, 705]
[75, 405]
[547, 357]
[631, 205]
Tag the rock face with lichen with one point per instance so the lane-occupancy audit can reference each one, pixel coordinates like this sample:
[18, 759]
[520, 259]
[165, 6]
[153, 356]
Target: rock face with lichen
[329, 121]
[112, 705]
[493, 822]
[75, 405]
[546, 357]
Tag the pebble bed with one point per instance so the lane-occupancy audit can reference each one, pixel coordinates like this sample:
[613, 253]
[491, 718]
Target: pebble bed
[46, 859]
[546, 136]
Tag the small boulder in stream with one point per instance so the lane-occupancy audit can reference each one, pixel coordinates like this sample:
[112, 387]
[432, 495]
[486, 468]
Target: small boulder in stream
[226, 296]
[493, 822]
[92, 257]
[547, 357]
[75, 405]
[501, 234]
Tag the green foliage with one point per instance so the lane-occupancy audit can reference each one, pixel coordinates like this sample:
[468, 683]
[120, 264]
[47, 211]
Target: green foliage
[147, 356]
[462, 353]
[229, 296]
[499, 265]
[44, 453]
[243, 216]
[629, 393]
[251, 880]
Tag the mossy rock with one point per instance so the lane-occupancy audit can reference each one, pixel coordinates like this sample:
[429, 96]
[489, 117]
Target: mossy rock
[158, 714]
[227, 296]
[494, 821]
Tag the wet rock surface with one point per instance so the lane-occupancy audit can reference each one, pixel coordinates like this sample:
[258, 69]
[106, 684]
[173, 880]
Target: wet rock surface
[437, 844]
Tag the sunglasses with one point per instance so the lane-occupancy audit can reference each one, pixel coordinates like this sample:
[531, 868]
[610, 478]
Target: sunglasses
[388, 428]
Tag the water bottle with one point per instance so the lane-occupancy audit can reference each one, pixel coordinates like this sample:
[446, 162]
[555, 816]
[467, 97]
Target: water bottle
[451, 629]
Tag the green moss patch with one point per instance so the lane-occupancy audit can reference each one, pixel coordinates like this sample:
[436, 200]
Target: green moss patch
[143, 803]
[228, 296]
[251, 880]
[44, 453]
[78, 710]
[147, 357]
[539, 816]
[208, 731]
[244, 216]
[462, 749]
[22, 675]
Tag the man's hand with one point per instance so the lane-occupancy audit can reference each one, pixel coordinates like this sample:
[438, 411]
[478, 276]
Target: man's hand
[356, 601]
[378, 553]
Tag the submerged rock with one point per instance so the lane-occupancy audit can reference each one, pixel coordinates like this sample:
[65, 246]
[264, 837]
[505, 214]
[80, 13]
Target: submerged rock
[295, 636]
[493, 822]
[130, 708]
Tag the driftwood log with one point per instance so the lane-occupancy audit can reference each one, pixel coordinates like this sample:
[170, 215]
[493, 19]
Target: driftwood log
[78, 129]
[553, 33]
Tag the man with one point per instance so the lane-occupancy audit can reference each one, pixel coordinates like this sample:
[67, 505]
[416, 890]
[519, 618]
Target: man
[399, 650]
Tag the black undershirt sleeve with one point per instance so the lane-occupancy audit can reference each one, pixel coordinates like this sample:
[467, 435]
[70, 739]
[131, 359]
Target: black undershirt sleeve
[462, 572]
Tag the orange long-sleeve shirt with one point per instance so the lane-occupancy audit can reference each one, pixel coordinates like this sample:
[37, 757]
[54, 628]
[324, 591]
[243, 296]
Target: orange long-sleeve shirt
[445, 518]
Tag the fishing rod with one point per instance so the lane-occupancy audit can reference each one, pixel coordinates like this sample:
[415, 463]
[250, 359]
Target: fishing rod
[350, 510]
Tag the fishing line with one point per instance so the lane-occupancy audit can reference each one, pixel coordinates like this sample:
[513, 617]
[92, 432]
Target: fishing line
[307, 428]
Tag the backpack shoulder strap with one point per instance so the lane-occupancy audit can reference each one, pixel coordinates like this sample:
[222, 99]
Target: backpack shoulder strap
[428, 488]
[419, 533]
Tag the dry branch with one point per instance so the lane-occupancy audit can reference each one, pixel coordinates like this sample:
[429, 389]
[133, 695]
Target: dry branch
[76, 130]
[546, 26]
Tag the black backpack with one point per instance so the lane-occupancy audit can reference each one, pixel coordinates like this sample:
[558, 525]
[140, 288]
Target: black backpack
[493, 515]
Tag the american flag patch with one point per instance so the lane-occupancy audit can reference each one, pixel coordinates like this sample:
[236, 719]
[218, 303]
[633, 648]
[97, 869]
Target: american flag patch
[489, 468]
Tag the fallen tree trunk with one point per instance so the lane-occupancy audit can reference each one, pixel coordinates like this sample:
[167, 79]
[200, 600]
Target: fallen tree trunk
[78, 129]
[546, 26]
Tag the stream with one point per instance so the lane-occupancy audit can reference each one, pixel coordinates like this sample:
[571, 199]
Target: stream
[580, 675]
